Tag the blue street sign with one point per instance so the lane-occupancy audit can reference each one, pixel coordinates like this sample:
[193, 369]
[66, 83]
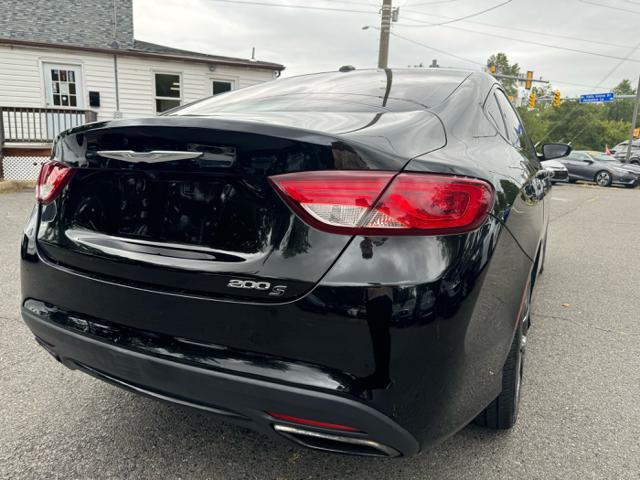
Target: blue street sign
[597, 97]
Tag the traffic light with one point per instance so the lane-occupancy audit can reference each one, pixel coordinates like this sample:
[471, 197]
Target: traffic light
[528, 81]
[493, 68]
[556, 98]
[532, 100]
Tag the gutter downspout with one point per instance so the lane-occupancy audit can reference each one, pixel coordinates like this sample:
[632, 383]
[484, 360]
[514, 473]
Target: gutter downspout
[117, 113]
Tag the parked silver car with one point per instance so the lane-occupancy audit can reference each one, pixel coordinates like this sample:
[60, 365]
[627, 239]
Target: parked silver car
[557, 171]
[603, 169]
[620, 151]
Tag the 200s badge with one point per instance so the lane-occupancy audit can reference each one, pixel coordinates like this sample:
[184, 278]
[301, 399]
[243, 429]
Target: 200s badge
[275, 291]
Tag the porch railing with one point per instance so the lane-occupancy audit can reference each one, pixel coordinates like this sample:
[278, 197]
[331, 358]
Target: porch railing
[39, 125]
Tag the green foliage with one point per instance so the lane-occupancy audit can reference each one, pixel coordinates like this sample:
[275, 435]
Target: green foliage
[535, 122]
[503, 67]
[545, 90]
[624, 88]
[585, 126]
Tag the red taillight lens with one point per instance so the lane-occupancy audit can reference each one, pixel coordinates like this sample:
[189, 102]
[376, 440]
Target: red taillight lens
[312, 423]
[332, 201]
[52, 179]
[361, 202]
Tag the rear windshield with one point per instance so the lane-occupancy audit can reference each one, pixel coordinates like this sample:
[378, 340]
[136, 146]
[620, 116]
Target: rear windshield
[359, 91]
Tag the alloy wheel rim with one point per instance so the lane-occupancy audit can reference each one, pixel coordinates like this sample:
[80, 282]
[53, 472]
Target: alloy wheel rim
[603, 178]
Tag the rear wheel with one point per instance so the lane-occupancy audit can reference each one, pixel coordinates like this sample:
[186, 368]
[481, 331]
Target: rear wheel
[502, 413]
[603, 178]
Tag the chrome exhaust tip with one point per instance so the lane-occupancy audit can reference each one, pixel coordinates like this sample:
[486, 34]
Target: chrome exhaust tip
[336, 443]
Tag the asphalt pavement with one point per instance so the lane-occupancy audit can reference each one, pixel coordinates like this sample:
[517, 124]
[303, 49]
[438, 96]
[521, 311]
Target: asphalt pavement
[579, 416]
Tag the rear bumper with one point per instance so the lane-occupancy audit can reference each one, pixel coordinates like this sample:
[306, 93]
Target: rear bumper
[410, 356]
[237, 398]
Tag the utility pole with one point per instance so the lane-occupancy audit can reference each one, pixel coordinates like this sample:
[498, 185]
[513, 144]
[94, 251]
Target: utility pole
[634, 121]
[385, 32]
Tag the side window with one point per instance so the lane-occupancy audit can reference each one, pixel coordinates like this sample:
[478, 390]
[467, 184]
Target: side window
[168, 91]
[515, 130]
[221, 86]
[493, 112]
[579, 156]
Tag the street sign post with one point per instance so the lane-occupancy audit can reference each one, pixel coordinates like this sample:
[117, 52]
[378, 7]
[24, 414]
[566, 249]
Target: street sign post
[597, 97]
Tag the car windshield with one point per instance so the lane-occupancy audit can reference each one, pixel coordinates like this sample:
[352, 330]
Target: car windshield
[602, 157]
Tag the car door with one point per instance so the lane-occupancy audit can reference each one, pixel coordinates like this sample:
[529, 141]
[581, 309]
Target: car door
[578, 166]
[530, 203]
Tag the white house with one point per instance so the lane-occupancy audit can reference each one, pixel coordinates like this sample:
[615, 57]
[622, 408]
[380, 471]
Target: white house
[65, 63]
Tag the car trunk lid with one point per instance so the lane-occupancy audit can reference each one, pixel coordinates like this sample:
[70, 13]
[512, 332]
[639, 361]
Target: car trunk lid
[183, 205]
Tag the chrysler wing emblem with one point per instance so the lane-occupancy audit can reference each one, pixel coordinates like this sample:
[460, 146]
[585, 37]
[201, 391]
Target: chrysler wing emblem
[156, 156]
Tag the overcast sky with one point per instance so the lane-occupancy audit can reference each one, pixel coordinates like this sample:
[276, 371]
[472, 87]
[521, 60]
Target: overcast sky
[310, 41]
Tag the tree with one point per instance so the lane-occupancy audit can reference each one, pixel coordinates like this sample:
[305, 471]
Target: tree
[546, 90]
[501, 62]
[621, 110]
[624, 88]
[535, 122]
[585, 126]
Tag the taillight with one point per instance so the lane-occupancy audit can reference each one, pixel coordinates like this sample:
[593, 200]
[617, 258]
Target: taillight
[312, 423]
[386, 203]
[52, 179]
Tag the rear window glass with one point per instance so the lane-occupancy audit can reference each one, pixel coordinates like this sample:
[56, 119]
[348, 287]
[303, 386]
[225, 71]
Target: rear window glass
[359, 91]
[491, 107]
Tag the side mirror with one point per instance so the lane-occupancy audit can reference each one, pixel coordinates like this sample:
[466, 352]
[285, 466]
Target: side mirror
[555, 150]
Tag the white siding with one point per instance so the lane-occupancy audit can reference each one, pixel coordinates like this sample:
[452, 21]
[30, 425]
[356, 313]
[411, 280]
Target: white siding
[137, 88]
[21, 78]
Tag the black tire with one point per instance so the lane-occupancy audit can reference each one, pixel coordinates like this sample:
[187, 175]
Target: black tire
[502, 413]
[635, 161]
[603, 178]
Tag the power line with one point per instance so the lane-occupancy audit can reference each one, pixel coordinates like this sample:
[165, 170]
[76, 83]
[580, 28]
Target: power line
[618, 65]
[304, 7]
[533, 42]
[524, 30]
[606, 77]
[410, 40]
[449, 54]
[562, 82]
[460, 19]
[610, 7]
[434, 3]
[349, 2]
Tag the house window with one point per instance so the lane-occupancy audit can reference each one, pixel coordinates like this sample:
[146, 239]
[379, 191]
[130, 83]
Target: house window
[62, 85]
[220, 86]
[168, 91]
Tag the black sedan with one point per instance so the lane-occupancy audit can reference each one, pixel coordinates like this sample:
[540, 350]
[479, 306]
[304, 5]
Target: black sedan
[342, 260]
[605, 170]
